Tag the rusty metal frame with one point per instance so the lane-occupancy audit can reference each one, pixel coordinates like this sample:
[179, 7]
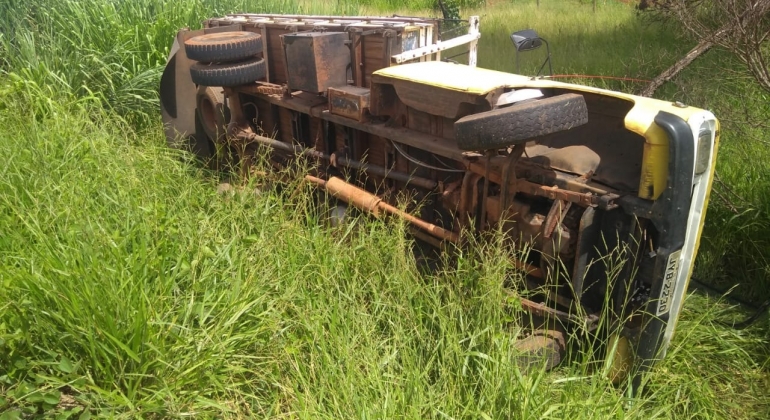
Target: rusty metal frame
[590, 321]
[334, 160]
[369, 202]
[586, 195]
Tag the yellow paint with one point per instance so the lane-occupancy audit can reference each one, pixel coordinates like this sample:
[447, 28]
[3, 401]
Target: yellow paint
[655, 162]
[622, 358]
[451, 76]
[480, 81]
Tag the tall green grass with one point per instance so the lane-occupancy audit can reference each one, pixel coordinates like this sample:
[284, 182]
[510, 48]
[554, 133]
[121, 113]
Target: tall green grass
[130, 288]
[610, 43]
[110, 52]
[134, 289]
[417, 5]
[736, 241]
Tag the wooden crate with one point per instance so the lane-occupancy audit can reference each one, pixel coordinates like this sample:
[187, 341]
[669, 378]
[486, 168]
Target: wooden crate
[316, 60]
[350, 102]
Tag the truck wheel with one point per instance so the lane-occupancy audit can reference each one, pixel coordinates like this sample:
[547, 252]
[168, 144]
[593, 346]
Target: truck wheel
[212, 154]
[223, 47]
[544, 348]
[521, 122]
[229, 74]
[210, 103]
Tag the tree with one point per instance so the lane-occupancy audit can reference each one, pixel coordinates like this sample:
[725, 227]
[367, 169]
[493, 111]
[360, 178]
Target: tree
[739, 26]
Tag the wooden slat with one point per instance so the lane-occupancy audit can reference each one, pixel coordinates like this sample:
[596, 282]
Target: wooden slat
[285, 133]
[375, 154]
[265, 56]
[418, 121]
[449, 128]
[266, 119]
[339, 131]
[276, 57]
[357, 58]
[443, 102]
[316, 134]
[374, 51]
[376, 151]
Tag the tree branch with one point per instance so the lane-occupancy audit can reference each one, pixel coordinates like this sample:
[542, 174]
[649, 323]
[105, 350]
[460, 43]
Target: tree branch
[744, 29]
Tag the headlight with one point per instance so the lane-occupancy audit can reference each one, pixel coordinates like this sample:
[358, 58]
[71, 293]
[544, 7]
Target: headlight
[704, 149]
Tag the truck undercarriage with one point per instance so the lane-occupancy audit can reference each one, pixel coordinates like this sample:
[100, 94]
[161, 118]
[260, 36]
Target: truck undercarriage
[604, 187]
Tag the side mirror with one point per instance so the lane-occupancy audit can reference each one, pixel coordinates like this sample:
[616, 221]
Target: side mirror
[529, 40]
[526, 40]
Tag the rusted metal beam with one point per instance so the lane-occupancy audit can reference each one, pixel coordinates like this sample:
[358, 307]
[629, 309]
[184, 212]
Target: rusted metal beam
[534, 286]
[526, 169]
[566, 188]
[367, 201]
[342, 161]
[529, 269]
[316, 107]
[587, 198]
[539, 309]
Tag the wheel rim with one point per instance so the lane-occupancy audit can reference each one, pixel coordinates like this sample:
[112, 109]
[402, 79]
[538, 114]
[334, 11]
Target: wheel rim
[208, 116]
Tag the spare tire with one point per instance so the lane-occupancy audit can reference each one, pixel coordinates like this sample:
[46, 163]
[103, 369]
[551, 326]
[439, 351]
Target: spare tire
[228, 74]
[223, 47]
[521, 122]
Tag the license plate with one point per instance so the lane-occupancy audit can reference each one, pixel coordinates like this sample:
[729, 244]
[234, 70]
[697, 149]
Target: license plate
[669, 283]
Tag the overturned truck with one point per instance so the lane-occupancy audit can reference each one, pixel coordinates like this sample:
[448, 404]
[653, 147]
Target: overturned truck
[575, 172]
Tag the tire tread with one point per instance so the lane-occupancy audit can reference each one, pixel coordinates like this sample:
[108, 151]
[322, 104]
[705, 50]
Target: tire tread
[241, 45]
[228, 74]
[521, 122]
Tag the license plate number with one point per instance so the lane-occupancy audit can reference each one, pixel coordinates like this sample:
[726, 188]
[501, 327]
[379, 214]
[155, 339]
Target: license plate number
[669, 283]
